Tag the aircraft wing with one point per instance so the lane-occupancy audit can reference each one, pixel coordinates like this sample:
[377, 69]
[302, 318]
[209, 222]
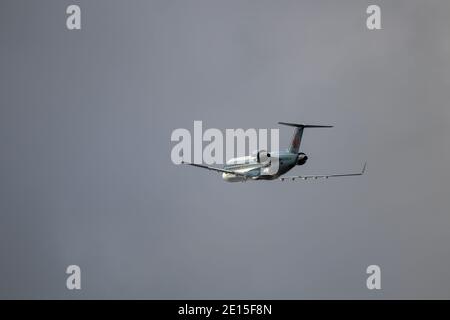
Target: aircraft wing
[215, 169]
[326, 176]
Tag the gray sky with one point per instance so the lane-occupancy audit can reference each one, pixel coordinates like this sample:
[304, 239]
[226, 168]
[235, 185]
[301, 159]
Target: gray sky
[85, 171]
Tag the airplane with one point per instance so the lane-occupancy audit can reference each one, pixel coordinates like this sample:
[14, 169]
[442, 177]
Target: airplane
[258, 165]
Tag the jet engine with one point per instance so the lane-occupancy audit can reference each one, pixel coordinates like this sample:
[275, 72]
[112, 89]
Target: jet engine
[301, 159]
[263, 157]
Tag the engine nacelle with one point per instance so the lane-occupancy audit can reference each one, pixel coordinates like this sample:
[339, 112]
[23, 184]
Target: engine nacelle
[301, 159]
[263, 157]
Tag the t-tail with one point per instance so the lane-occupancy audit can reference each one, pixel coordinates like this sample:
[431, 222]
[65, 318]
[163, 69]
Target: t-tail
[298, 133]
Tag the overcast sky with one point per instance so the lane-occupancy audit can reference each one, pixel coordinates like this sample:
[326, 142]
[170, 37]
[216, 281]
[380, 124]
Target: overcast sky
[86, 177]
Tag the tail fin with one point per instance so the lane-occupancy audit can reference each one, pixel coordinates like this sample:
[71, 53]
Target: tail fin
[298, 133]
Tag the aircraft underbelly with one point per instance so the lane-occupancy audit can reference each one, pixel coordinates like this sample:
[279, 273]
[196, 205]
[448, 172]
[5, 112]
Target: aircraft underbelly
[251, 171]
[228, 177]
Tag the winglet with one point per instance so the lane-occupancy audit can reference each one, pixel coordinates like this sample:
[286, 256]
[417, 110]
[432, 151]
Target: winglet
[364, 168]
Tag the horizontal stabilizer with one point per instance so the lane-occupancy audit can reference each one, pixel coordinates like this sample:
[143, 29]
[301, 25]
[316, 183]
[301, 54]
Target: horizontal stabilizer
[298, 125]
[298, 133]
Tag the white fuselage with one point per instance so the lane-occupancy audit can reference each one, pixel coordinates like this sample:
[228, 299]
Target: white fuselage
[259, 171]
[240, 165]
